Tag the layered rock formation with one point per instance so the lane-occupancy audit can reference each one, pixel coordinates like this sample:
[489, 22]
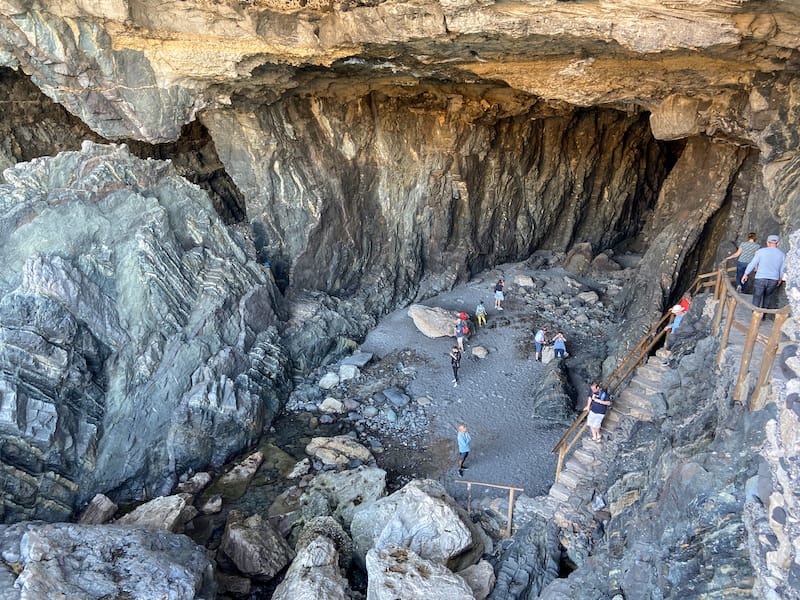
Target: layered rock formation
[136, 333]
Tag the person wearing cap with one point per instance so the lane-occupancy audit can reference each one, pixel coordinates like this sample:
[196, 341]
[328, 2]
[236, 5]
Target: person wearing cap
[743, 255]
[768, 264]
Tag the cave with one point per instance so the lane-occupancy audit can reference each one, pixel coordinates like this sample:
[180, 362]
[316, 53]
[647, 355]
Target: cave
[208, 209]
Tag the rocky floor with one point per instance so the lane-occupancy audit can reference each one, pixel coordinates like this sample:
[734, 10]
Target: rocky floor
[403, 405]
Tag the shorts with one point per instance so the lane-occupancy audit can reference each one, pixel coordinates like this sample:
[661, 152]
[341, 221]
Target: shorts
[498, 295]
[538, 347]
[595, 420]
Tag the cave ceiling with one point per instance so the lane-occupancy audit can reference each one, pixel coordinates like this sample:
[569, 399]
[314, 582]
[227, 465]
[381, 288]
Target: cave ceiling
[143, 69]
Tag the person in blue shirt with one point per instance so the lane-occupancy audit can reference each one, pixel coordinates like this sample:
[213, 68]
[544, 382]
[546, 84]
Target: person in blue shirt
[559, 345]
[597, 404]
[464, 440]
[769, 266]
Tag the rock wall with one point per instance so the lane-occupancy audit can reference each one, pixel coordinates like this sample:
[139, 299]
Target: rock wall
[138, 337]
[452, 184]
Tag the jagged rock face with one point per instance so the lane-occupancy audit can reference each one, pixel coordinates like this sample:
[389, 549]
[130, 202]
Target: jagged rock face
[136, 333]
[450, 184]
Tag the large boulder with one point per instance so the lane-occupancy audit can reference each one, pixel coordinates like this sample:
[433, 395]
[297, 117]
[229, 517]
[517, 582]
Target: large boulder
[339, 494]
[314, 574]
[338, 450]
[139, 333]
[166, 512]
[254, 546]
[434, 322]
[103, 561]
[396, 572]
[422, 517]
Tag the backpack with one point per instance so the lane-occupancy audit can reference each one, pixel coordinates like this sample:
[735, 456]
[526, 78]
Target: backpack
[465, 329]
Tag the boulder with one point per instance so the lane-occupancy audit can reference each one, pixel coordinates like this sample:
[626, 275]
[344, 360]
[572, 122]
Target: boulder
[329, 381]
[314, 574]
[603, 263]
[331, 406]
[358, 359]
[433, 322]
[212, 506]
[579, 258]
[420, 516]
[524, 281]
[254, 546]
[589, 297]
[479, 352]
[300, 469]
[329, 528]
[338, 450]
[480, 578]
[166, 512]
[343, 492]
[235, 482]
[397, 397]
[99, 510]
[397, 572]
[195, 483]
[348, 372]
[63, 560]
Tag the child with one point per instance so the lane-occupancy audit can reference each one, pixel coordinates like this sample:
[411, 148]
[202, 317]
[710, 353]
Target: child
[480, 312]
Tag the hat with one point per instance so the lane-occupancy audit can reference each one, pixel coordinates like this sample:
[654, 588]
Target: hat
[677, 309]
[773, 239]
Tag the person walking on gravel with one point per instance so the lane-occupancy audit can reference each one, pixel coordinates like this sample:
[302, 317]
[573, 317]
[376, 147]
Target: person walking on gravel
[464, 438]
[499, 291]
[455, 362]
[480, 313]
[539, 340]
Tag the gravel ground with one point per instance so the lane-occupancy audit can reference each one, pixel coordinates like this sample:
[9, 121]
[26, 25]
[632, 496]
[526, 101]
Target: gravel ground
[493, 398]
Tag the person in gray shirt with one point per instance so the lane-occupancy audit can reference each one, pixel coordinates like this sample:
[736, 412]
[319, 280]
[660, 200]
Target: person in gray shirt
[743, 255]
[769, 265]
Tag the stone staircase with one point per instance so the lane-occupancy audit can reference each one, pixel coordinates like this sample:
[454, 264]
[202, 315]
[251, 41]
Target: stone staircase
[586, 465]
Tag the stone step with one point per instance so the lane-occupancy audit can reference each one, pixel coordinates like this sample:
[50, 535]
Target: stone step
[570, 479]
[651, 372]
[577, 466]
[559, 492]
[611, 420]
[657, 362]
[641, 383]
[631, 399]
[584, 457]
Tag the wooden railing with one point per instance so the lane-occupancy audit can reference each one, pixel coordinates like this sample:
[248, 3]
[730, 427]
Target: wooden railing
[707, 281]
[511, 489]
[730, 300]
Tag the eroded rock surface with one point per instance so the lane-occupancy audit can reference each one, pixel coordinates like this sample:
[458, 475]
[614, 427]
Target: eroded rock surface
[136, 332]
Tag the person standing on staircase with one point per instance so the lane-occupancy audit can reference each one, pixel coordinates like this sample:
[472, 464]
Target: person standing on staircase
[769, 266]
[597, 404]
[743, 255]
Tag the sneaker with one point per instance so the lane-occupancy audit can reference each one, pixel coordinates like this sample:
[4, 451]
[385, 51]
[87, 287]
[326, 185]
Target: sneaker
[499, 308]
[738, 288]
[454, 381]
[461, 472]
[464, 468]
[455, 384]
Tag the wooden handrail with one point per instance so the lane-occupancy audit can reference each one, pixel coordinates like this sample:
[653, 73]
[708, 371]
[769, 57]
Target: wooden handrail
[511, 489]
[632, 360]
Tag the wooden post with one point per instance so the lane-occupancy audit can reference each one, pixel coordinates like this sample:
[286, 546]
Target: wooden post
[747, 353]
[560, 463]
[718, 285]
[724, 299]
[510, 509]
[731, 302]
[767, 359]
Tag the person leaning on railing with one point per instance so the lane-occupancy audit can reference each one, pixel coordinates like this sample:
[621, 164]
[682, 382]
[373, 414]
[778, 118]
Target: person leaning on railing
[743, 255]
[769, 266]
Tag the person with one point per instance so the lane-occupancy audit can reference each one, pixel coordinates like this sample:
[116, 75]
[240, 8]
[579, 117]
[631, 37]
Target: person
[459, 333]
[455, 362]
[499, 289]
[769, 266]
[559, 345]
[597, 404]
[679, 310]
[464, 439]
[480, 313]
[743, 255]
[539, 340]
